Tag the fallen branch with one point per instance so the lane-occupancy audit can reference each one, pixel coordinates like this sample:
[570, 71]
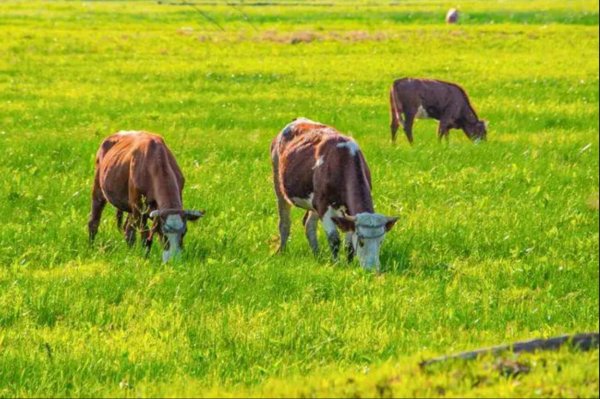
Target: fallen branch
[583, 342]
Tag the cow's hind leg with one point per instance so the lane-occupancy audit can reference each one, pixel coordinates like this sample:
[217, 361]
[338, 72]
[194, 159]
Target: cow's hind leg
[394, 115]
[394, 125]
[98, 204]
[408, 125]
[285, 222]
[119, 217]
[283, 207]
[311, 220]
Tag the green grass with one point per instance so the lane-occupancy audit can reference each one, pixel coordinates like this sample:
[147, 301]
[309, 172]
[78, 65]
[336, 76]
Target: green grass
[496, 242]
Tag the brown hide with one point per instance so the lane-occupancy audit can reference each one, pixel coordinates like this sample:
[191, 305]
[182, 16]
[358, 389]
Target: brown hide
[444, 101]
[137, 165]
[311, 158]
[137, 173]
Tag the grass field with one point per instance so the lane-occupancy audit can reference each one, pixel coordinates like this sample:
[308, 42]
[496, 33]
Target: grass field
[497, 242]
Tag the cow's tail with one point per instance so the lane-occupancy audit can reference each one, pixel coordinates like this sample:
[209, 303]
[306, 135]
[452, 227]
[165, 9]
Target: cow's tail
[395, 113]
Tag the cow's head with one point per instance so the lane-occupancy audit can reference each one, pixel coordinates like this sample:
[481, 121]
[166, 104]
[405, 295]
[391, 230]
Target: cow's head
[171, 224]
[368, 233]
[477, 131]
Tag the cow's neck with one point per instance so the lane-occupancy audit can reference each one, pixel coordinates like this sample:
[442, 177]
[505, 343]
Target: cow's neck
[358, 195]
[168, 194]
[470, 116]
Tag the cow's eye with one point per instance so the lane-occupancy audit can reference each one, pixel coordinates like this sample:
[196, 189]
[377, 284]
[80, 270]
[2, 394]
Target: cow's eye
[361, 242]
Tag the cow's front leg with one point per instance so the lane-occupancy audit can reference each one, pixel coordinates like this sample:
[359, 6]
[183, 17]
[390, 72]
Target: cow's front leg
[130, 230]
[311, 220]
[146, 234]
[133, 223]
[349, 246]
[333, 236]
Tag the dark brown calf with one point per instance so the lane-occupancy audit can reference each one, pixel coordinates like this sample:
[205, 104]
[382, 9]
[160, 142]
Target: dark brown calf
[137, 173]
[325, 173]
[424, 98]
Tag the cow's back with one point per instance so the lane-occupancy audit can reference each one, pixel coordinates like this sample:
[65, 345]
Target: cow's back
[294, 150]
[437, 97]
[425, 89]
[315, 160]
[133, 160]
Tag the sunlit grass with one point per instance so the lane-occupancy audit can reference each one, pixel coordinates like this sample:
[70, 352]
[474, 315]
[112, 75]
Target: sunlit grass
[496, 242]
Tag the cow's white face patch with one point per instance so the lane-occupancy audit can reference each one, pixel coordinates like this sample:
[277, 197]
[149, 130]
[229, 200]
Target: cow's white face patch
[367, 238]
[422, 113]
[320, 161]
[173, 223]
[351, 145]
[127, 132]
[305, 203]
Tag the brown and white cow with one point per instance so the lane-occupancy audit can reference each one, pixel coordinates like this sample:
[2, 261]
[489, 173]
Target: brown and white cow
[320, 170]
[444, 101]
[137, 173]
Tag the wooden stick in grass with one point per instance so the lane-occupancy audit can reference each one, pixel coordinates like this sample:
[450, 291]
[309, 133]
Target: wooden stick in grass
[583, 342]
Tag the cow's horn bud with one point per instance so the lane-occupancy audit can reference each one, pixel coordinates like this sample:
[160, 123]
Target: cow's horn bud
[349, 217]
[154, 214]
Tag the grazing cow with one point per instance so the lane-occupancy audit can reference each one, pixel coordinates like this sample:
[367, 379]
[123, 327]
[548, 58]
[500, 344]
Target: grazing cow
[318, 169]
[137, 173]
[452, 16]
[424, 98]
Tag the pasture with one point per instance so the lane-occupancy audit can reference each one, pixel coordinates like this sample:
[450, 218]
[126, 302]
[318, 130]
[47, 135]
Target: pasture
[496, 242]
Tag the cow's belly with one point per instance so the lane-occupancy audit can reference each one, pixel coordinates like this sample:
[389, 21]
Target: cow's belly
[296, 178]
[115, 187]
[304, 203]
[422, 113]
[299, 192]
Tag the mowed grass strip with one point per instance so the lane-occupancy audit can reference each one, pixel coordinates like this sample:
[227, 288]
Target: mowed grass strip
[496, 242]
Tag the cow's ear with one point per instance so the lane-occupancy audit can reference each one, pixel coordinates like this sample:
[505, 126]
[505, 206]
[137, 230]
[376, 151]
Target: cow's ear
[391, 221]
[344, 224]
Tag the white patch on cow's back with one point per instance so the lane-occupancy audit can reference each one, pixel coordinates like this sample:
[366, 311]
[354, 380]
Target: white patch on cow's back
[174, 222]
[351, 145]
[422, 113]
[304, 203]
[320, 161]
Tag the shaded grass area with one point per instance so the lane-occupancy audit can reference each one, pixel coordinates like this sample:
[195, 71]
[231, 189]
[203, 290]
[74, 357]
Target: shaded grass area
[497, 242]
